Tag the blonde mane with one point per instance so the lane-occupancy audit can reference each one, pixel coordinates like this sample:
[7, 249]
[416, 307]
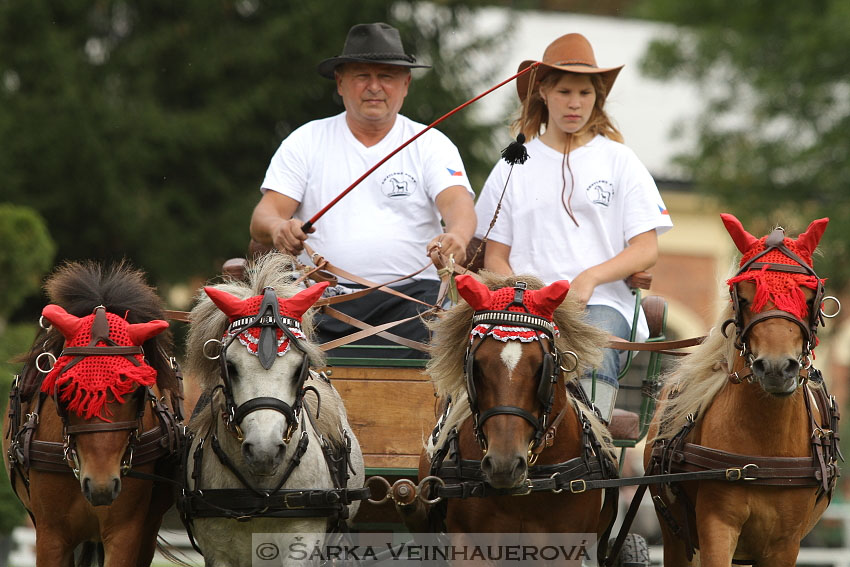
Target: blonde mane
[207, 321]
[451, 337]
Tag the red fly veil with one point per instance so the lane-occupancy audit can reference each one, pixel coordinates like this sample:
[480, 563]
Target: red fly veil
[541, 302]
[293, 308]
[85, 380]
[782, 288]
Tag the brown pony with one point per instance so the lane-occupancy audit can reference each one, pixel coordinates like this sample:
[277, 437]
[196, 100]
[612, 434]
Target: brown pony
[748, 408]
[89, 412]
[508, 358]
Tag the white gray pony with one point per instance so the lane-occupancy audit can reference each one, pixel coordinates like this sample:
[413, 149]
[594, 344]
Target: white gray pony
[273, 444]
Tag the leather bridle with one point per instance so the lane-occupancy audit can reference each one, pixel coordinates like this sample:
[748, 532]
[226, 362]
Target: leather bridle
[775, 241]
[549, 371]
[269, 320]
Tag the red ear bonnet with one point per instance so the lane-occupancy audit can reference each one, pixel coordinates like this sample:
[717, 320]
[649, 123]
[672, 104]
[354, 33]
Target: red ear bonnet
[541, 302]
[85, 385]
[781, 288]
[293, 307]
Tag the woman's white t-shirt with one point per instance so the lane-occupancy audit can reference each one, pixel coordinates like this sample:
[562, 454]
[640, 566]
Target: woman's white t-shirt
[612, 197]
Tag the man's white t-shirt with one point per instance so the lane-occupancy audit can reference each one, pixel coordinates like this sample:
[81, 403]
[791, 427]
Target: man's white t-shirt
[381, 228]
[614, 198]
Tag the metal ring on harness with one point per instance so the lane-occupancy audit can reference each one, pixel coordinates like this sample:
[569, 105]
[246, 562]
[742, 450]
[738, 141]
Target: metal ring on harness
[575, 361]
[218, 354]
[50, 356]
[420, 490]
[837, 307]
[387, 487]
[41, 324]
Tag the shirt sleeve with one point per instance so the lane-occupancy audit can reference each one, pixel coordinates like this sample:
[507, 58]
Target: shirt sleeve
[443, 164]
[645, 210]
[288, 171]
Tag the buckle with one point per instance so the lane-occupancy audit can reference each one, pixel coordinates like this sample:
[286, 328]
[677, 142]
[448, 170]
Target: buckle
[290, 506]
[578, 486]
[741, 473]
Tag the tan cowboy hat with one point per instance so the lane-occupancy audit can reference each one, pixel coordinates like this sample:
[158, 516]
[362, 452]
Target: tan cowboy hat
[571, 52]
[370, 43]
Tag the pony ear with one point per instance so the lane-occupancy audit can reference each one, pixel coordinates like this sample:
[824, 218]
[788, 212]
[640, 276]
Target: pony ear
[474, 292]
[67, 324]
[809, 240]
[140, 332]
[742, 239]
[299, 303]
[231, 305]
[552, 296]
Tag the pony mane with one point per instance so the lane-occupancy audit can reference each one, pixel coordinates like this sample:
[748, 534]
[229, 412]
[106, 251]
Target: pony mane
[700, 376]
[79, 287]
[207, 321]
[451, 337]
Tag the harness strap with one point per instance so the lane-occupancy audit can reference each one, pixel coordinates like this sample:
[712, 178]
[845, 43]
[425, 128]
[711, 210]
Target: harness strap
[244, 504]
[369, 330]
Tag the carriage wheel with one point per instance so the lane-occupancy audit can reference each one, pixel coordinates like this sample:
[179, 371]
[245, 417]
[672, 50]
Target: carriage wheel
[634, 553]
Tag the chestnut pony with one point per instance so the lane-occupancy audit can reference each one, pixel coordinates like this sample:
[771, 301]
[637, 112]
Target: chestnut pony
[748, 403]
[508, 358]
[87, 416]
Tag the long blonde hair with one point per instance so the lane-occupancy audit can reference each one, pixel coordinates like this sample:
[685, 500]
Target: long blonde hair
[534, 114]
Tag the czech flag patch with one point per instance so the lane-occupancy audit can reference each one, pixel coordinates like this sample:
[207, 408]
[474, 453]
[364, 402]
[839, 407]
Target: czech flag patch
[454, 173]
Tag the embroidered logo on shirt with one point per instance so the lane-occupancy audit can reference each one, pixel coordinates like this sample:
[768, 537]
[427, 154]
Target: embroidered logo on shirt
[600, 193]
[398, 185]
[454, 173]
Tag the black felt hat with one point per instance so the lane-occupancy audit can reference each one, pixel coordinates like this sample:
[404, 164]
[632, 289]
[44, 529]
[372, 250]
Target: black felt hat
[370, 43]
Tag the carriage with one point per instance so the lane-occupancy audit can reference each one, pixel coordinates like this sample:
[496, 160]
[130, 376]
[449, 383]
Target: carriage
[392, 408]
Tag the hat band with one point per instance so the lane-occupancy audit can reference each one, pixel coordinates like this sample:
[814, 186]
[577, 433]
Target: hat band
[379, 56]
[573, 62]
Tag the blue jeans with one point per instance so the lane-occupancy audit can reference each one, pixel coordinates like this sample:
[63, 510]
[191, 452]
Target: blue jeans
[610, 320]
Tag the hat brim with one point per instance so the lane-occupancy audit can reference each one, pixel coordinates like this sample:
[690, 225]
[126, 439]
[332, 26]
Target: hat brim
[327, 67]
[609, 75]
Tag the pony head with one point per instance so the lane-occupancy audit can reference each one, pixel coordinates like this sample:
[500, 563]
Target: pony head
[84, 381]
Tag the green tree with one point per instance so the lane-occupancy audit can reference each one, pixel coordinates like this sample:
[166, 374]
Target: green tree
[144, 128]
[26, 255]
[772, 142]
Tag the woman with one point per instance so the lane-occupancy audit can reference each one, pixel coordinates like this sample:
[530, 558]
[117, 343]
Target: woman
[583, 208]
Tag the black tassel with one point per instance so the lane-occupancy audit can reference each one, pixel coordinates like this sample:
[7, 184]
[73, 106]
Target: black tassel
[516, 153]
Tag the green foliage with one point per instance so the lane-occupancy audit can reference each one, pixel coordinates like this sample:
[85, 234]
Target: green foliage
[772, 143]
[26, 255]
[144, 128]
[14, 341]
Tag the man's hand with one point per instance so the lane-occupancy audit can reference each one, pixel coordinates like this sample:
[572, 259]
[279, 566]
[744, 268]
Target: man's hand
[448, 244]
[288, 236]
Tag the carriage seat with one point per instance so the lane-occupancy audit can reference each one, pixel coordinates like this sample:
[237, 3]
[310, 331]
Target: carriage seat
[625, 425]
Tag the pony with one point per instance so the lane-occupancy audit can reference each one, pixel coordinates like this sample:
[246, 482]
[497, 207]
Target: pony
[273, 445]
[505, 362]
[748, 413]
[108, 410]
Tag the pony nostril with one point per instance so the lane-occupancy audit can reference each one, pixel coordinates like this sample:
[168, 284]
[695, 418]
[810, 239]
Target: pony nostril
[487, 464]
[281, 451]
[792, 367]
[520, 468]
[759, 367]
[248, 450]
[87, 488]
[116, 488]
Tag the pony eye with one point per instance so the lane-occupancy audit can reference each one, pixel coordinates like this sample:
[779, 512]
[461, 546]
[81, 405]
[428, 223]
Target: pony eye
[232, 371]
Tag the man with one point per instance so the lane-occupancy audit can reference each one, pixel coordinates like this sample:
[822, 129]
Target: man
[383, 229]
